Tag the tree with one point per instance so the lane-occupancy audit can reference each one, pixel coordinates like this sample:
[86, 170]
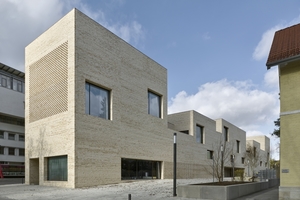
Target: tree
[276, 131]
[219, 159]
[252, 157]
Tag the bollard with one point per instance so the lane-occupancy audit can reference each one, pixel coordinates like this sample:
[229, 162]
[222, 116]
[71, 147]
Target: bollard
[129, 196]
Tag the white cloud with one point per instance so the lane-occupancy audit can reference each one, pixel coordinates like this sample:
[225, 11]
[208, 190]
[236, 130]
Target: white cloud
[263, 47]
[240, 103]
[271, 78]
[23, 21]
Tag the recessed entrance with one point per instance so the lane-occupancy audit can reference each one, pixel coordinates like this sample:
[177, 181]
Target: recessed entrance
[34, 171]
[140, 169]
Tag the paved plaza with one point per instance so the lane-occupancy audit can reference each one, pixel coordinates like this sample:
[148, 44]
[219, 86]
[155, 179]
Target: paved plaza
[139, 190]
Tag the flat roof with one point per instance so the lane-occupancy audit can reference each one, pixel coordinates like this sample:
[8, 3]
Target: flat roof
[12, 70]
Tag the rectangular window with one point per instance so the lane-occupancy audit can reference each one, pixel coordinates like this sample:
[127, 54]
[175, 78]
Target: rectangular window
[5, 81]
[185, 131]
[154, 104]
[11, 136]
[97, 101]
[243, 160]
[21, 152]
[1, 134]
[238, 146]
[210, 154]
[58, 168]
[260, 163]
[17, 85]
[11, 151]
[225, 133]
[1, 150]
[266, 164]
[199, 134]
[21, 138]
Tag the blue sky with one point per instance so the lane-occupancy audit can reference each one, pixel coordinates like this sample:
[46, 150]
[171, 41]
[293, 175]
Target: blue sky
[215, 51]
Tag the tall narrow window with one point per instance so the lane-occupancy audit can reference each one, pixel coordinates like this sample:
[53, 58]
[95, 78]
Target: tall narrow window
[21, 152]
[225, 133]
[1, 134]
[210, 154]
[21, 138]
[154, 104]
[1, 150]
[238, 146]
[199, 134]
[97, 101]
[243, 160]
[58, 168]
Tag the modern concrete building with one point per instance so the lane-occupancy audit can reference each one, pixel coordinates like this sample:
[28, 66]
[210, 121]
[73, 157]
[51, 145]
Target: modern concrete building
[12, 123]
[285, 54]
[96, 113]
[261, 161]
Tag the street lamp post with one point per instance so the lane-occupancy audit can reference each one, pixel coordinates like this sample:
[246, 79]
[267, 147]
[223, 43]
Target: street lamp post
[248, 168]
[213, 167]
[222, 163]
[233, 167]
[174, 165]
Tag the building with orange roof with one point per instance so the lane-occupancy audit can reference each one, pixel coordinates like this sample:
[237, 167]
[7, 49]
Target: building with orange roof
[285, 53]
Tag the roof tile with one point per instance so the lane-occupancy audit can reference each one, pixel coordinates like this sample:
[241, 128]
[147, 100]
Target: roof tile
[286, 44]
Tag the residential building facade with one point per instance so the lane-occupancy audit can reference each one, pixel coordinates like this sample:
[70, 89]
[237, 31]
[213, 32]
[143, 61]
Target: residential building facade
[12, 131]
[96, 113]
[285, 54]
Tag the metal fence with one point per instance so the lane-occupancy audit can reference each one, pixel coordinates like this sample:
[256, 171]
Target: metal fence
[266, 174]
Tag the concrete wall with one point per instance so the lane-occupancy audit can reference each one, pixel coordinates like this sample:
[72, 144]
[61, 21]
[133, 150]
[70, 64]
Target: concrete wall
[224, 192]
[49, 98]
[12, 102]
[234, 134]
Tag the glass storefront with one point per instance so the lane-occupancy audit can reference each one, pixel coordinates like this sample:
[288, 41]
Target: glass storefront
[140, 169]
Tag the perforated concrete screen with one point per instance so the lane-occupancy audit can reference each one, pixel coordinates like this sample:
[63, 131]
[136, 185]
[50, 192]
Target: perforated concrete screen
[48, 84]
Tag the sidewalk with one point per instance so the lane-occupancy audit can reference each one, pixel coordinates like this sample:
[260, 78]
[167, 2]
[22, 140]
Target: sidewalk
[270, 194]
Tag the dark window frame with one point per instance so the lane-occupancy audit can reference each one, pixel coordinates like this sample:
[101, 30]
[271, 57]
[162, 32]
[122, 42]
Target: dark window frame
[201, 136]
[226, 134]
[159, 97]
[57, 168]
[210, 154]
[10, 149]
[88, 100]
[237, 146]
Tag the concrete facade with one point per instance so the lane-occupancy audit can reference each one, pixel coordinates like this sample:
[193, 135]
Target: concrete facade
[76, 53]
[262, 145]
[11, 117]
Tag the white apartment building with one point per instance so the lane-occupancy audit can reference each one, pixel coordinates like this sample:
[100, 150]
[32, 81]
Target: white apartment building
[12, 130]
